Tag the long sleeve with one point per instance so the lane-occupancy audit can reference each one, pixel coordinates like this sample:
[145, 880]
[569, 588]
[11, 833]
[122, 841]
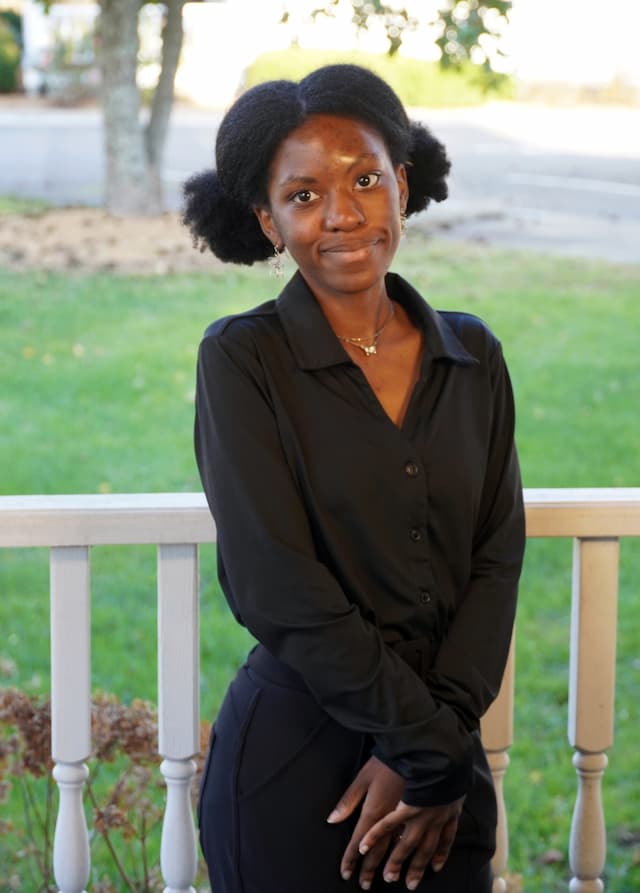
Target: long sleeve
[470, 662]
[289, 600]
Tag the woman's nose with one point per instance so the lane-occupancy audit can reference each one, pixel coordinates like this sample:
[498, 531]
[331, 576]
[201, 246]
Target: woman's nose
[343, 211]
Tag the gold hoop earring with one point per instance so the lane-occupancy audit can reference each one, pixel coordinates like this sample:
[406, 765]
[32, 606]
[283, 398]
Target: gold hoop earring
[275, 262]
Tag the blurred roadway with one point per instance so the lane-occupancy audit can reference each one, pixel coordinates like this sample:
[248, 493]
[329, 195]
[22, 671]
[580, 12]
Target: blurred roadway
[563, 180]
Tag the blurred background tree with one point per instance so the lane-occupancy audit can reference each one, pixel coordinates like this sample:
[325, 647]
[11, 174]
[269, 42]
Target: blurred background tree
[134, 150]
[469, 29]
[10, 40]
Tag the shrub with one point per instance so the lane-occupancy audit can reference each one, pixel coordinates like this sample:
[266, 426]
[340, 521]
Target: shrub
[124, 794]
[417, 83]
[9, 54]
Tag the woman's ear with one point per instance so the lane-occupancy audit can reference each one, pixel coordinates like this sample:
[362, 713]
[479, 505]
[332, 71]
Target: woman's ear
[403, 186]
[267, 225]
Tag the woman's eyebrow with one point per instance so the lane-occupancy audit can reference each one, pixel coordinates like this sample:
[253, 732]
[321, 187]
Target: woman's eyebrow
[297, 178]
[306, 180]
[363, 157]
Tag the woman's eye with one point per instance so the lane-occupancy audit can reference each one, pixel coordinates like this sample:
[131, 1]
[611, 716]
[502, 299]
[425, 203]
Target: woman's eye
[366, 181]
[303, 197]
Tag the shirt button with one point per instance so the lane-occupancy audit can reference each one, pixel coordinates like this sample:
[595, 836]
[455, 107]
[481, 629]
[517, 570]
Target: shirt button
[412, 469]
[415, 534]
[425, 596]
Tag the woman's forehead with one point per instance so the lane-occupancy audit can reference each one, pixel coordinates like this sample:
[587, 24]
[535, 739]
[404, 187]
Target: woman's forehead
[330, 140]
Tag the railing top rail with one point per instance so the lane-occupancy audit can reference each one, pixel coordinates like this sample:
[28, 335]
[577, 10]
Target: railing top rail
[132, 518]
[583, 512]
[105, 519]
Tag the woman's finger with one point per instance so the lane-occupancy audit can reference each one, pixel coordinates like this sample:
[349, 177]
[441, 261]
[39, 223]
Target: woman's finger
[386, 826]
[414, 844]
[447, 836]
[348, 802]
[421, 858]
[350, 857]
[371, 862]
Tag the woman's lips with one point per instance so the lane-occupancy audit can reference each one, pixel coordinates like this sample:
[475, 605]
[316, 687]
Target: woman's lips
[351, 251]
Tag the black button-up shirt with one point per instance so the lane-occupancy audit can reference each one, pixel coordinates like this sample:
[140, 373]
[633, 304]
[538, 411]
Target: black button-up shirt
[342, 537]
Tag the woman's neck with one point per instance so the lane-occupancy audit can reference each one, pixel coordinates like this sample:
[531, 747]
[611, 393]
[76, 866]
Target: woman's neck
[356, 315]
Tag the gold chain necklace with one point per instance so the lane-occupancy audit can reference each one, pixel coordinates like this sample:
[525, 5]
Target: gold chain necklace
[370, 349]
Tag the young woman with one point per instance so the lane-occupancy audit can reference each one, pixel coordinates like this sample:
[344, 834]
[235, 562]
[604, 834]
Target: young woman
[356, 448]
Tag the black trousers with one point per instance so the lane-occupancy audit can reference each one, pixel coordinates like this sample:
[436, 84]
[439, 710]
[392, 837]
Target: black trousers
[276, 767]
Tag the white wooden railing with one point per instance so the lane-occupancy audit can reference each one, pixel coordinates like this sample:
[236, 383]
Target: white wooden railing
[178, 523]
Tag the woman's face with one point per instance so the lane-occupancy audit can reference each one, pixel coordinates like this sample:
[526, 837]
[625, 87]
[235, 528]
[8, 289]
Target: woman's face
[335, 201]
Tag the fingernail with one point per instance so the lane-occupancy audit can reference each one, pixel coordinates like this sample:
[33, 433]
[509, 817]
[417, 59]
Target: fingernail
[390, 877]
[411, 885]
[437, 866]
[363, 848]
[334, 817]
[366, 885]
[346, 875]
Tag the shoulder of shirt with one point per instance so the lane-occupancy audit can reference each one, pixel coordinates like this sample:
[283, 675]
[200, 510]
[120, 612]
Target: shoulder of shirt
[472, 332]
[242, 328]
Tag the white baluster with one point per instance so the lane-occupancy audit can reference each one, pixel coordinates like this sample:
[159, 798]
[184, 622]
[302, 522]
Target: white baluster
[70, 844]
[178, 847]
[178, 708]
[497, 738]
[591, 701]
[70, 712]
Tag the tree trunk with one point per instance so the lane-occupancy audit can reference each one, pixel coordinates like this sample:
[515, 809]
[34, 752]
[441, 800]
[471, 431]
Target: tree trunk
[156, 132]
[128, 188]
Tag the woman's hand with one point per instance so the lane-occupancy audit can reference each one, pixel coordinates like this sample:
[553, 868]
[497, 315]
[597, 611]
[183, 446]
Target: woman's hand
[379, 789]
[425, 833]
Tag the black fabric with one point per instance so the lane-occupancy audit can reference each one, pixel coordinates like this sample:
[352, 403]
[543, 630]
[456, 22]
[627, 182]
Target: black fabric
[276, 768]
[341, 536]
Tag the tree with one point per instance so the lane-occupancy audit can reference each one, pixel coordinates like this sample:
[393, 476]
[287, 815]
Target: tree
[134, 151]
[469, 28]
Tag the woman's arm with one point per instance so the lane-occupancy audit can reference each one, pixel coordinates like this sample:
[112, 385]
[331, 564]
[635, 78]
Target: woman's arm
[470, 662]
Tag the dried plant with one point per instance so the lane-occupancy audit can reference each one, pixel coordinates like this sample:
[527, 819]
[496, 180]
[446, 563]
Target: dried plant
[125, 792]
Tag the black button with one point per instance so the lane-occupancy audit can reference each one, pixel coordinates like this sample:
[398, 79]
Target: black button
[415, 534]
[412, 469]
[425, 596]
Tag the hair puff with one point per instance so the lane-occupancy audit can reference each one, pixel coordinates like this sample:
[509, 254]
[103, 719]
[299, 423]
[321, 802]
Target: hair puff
[218, 221]
[427, 169]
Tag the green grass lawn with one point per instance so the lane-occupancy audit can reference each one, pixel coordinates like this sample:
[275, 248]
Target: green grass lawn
[98, 377]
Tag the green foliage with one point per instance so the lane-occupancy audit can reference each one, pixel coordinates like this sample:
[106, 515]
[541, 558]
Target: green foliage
[14, 20]
[9, 56]
[470, 27]
[99, 396]
[395, 21]
[417, 83]
[469, 30]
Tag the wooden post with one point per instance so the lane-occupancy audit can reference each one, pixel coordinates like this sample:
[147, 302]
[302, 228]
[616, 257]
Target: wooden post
[497, 738]
[591, 701]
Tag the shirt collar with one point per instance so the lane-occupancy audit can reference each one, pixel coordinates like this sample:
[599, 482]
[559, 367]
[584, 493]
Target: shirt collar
[315, 346]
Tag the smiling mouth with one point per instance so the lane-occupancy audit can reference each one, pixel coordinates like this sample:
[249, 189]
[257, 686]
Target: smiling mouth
[351, 248]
